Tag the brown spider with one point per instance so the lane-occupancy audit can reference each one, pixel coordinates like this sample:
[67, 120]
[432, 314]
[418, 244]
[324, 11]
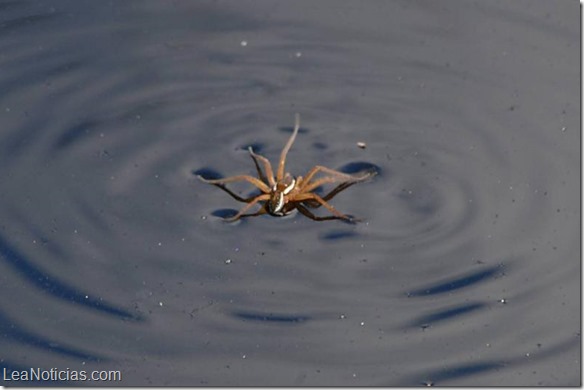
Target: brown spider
[284, 193]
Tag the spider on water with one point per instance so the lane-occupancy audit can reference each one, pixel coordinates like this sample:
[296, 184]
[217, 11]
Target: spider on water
[283, 193]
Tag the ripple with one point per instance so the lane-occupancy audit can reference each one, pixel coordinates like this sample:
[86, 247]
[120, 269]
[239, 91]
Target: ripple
[109, 116]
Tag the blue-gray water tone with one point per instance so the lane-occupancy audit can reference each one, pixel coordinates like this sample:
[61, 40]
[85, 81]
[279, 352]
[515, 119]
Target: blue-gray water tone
[113, 256]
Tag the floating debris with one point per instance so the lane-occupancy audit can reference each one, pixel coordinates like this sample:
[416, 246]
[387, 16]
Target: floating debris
[361, 145]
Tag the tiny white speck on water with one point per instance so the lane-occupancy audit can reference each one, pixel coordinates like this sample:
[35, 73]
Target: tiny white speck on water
[243, 357]
[228, 261]
[298, 54]
[87, 297]
[203, 217]
[503, 301]
[160, 303]
[243, 43]
[362, 323]
[564, 128]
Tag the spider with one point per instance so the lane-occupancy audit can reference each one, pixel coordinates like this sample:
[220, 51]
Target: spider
[283, 193]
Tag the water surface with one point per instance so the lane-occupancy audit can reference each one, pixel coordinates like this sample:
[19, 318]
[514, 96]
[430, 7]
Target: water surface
[114, 257]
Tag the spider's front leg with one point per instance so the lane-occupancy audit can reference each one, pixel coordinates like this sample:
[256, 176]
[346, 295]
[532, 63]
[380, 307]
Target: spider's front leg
[282, 162]
[269, 176]
[252, 180]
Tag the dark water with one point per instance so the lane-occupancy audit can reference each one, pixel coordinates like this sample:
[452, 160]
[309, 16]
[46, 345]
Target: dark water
[113, 256]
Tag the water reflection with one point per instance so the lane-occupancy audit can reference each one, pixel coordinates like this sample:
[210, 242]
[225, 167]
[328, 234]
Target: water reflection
[51, 284]
[458, 282]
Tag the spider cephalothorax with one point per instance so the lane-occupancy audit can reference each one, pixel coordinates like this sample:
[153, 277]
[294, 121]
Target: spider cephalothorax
[283, 193]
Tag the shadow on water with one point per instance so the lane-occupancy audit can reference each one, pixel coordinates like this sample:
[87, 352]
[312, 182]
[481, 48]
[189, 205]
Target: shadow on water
[270, 317]
[360, 166]
[208, 174]
[50, 284]
[224, 213]
[461, 371]
[11, 331]
[445, 314]
[256, 147]
[457, 282]
[75, 133]
[454, 372]
[338, 235]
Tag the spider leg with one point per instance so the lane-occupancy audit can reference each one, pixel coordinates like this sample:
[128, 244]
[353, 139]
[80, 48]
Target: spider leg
[308, 214]
[269, 176]
[312, 196]
[341, 187]
[234, 195]
[335, 176]
[241, 212]
[252, 180]
[261, 211]
[282, 163]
